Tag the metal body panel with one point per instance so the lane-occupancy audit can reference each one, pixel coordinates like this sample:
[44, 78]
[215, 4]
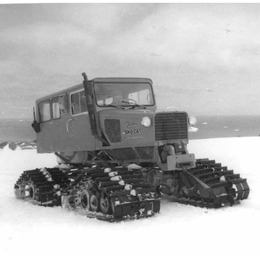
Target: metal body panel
[70, 133]
[73, 133]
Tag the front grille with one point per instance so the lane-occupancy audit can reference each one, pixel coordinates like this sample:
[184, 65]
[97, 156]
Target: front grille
[113, 130]
[170, 126]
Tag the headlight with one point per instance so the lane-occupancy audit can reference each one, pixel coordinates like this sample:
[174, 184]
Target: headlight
[146, 121]
[192, 120]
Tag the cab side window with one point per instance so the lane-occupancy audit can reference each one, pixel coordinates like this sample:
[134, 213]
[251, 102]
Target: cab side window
[45, 111]
[83, 102]
[55, 108]
[78, 103]
[75, 104]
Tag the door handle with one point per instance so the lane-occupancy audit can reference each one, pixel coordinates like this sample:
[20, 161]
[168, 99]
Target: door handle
[67, 125]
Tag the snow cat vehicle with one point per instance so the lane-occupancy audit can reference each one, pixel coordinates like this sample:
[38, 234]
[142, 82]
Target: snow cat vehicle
[118, 155]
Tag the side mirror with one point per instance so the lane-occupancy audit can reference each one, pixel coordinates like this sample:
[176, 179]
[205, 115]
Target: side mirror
[36, 126]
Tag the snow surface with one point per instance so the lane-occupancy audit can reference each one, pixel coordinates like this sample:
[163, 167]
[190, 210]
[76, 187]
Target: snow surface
[178, 232]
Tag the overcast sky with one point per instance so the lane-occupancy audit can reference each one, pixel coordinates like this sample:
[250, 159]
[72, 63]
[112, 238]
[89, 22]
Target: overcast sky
[202, 58]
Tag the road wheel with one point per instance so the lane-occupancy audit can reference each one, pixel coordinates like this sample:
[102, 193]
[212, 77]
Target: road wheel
[105, 206]
[85, 200]
[93, 202]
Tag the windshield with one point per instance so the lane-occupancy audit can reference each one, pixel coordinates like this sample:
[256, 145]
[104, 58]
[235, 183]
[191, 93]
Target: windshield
[124, 94]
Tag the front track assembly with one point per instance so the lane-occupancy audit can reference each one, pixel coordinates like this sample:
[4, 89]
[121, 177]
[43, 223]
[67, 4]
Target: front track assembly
[102, 193]
[211, 185]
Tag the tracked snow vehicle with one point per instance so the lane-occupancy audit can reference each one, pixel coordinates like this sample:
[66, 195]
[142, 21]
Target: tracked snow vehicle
[118, 155]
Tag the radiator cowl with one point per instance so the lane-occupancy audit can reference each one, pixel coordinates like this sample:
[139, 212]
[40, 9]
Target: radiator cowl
[113, 130]
[171, 126]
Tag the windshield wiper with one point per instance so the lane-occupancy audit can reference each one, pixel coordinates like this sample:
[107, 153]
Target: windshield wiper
[132, 103]
[128, 103]
[110, 105]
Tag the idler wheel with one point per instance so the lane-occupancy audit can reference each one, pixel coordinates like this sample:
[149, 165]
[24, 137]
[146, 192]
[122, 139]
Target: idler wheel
[25, 190]
[74, 200]
[105, 204]
[19, 191]
[31, 191]
[93, 202]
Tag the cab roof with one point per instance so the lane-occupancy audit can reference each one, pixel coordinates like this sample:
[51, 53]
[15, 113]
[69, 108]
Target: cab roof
[123, 80]
[97, 80]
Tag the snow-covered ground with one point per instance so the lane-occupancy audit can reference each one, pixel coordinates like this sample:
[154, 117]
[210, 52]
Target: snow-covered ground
[32, 232]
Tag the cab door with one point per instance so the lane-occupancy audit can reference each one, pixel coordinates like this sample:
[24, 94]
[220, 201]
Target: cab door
[64, 124]
[78, 127]
[53, 117]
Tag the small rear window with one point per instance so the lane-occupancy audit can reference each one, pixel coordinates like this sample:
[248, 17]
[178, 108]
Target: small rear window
[83, 102]
[55, 108]
[75, 103]
[78, 103]
[45, 111]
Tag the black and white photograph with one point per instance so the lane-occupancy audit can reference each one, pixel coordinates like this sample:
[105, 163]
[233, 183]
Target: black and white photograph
[129, 130]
